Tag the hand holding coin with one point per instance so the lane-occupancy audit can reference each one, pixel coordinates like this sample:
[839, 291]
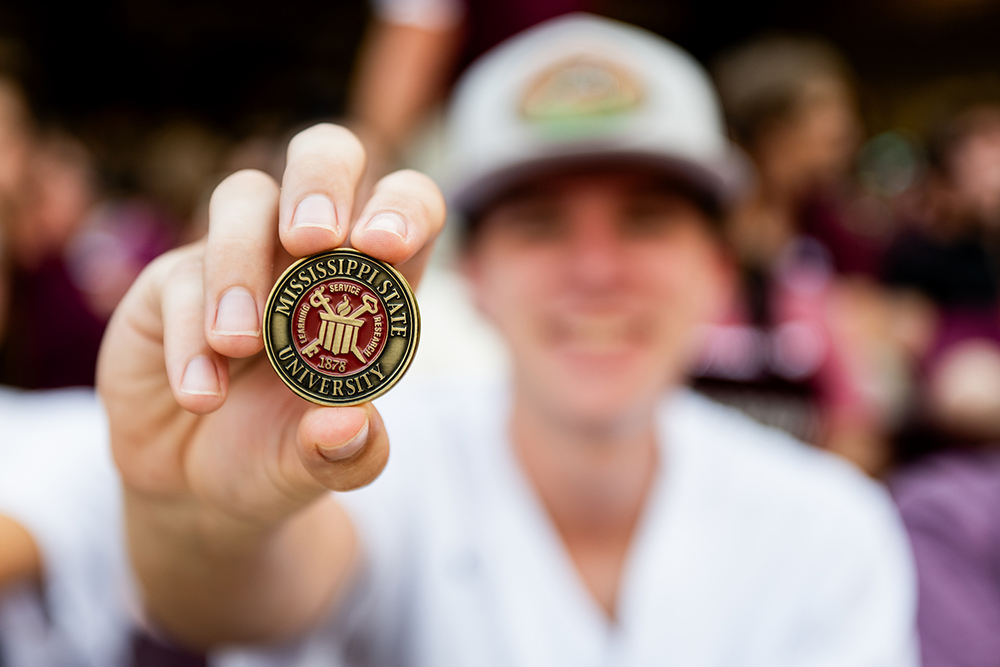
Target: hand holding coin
[202, 428]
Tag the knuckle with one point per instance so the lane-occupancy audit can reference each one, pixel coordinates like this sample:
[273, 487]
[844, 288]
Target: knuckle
[160, 266]
[183, 277]
[188, 265]
[167, 264]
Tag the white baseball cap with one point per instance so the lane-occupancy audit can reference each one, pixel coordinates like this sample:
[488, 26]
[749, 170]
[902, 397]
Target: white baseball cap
[581, 89]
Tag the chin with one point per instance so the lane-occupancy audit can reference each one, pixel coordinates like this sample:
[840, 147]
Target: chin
[615, 364]
[601, 397]
[602, 415]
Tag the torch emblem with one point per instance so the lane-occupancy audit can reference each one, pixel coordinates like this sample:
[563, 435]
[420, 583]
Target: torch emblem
[338, 330]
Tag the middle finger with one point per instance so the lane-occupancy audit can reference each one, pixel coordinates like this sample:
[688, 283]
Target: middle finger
[325, 163]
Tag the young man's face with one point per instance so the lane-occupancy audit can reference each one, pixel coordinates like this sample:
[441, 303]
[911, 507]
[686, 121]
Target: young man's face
[597, 282]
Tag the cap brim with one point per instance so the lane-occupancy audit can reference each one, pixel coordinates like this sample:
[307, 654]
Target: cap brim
[722, 181]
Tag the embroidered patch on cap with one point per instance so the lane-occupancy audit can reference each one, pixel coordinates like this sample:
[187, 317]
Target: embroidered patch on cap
[580, 87]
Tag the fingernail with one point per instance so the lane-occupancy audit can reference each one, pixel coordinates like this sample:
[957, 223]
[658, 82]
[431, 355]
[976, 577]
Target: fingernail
[387, 222]
[348, 449]
[200, 378]
[315, 211]
[237, 314]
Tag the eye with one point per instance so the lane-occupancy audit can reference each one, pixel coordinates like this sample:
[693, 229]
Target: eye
[658, 214]
[533, 221]
[650, 217]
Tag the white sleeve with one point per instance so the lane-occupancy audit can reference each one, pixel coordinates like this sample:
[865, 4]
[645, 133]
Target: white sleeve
[864, 610]
[427, 14]
[58, 481]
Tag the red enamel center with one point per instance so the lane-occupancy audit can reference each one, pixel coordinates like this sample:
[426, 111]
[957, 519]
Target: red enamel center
[339, 327]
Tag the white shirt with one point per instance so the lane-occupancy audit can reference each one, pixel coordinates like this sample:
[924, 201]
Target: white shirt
[57, 480]
[754, 550]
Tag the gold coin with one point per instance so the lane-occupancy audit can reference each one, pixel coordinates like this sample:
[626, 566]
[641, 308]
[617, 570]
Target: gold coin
[340, 327]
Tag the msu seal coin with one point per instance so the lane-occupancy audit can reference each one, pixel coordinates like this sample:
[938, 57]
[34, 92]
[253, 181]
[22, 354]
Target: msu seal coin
[341, 328]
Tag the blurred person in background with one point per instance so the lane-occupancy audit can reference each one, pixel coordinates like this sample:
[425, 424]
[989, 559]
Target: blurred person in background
[16, 129]
[796, 351]
[790, 102]
[587, 510]
[53, 335]
[72, 256]
[949, 498]
[412, 54]
[64, 583]
[66, 596]
[61, 551]
[181, 158]
[404, 70]
[946, 258]
[177, 166]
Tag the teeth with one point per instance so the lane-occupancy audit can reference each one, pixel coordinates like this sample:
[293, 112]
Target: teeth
[596, 334]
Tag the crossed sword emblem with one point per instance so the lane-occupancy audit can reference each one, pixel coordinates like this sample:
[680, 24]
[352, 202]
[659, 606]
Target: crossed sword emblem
[338, 332]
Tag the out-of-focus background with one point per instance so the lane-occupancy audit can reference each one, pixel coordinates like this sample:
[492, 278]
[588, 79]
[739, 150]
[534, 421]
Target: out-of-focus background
[867, 319]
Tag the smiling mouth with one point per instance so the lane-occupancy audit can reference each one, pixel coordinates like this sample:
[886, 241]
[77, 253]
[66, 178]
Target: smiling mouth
[597, 335]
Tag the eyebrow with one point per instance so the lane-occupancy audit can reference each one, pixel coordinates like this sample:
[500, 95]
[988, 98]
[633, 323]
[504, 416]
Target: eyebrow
[522, 193]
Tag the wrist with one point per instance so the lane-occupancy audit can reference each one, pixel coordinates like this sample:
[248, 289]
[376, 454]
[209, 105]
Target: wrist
[175, 525]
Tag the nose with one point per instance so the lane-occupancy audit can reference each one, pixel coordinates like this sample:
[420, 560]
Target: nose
[597, 255]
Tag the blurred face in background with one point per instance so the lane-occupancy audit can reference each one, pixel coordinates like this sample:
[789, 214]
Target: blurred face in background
[58, 194]
[814, 143]
[975, 176]
[597, 282]
[962, 190]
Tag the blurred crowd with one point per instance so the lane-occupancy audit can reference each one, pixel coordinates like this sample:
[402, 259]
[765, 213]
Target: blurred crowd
[74, 242]
[867, 319]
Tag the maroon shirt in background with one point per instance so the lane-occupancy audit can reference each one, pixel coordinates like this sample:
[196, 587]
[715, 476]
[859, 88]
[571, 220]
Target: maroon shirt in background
[950, 504]
[958, 325]
[53, 333]
[52, 336]
[855, 236]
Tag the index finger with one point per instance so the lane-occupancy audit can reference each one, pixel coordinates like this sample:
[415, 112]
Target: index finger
[325, 164]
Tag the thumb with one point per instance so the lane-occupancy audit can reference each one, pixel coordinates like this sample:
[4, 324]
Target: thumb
[343, 448]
